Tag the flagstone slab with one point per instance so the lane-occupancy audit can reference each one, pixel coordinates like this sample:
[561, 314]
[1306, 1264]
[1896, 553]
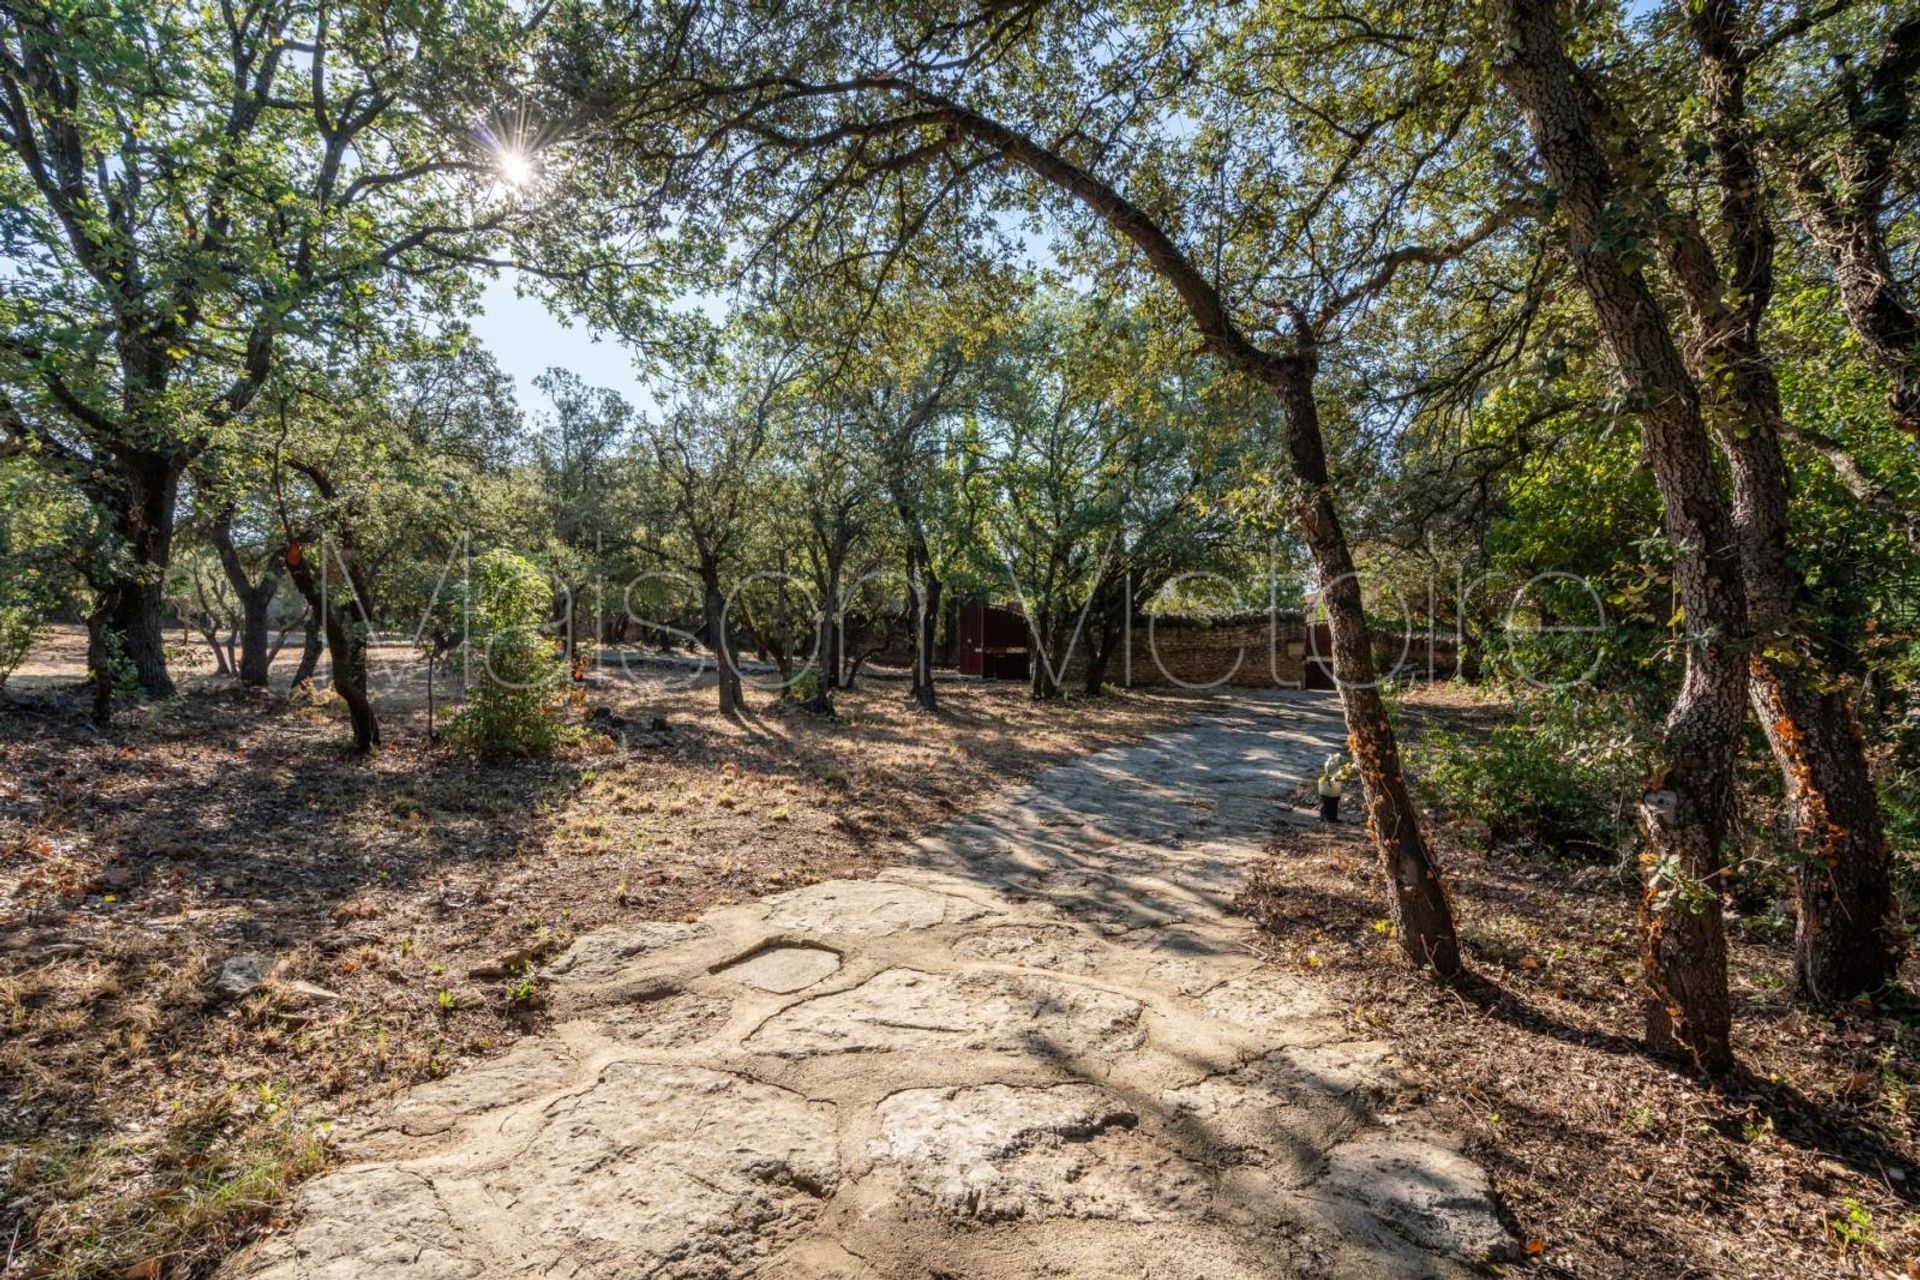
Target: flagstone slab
[1037, 1046]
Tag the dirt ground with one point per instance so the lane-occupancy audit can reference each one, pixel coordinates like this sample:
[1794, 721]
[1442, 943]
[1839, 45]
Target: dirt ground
[1806, 1163]
[59, 656]
[1038, 1047]
[149, 1122]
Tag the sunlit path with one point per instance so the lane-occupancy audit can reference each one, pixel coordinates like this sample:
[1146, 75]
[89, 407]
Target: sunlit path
[1038, 1049]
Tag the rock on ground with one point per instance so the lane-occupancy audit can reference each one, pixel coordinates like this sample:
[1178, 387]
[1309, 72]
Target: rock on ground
[1036, 1048]
[242, 974]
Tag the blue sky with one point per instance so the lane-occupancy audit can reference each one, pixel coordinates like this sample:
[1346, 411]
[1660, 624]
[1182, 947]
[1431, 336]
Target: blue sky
[527, 339]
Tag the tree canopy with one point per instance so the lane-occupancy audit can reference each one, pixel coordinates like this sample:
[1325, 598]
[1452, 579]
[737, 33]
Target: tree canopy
[1585, 334]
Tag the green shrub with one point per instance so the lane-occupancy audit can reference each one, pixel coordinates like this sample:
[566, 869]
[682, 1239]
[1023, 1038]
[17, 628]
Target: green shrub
[1900, 806]
[809, 689]
[805, 687]
[1559, 777]
[41, 522]
[20, 626]
[518, 677]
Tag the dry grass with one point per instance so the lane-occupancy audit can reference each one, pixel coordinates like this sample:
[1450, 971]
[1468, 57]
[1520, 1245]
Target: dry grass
[148, 1124]
[1804, 1163]
[171, 1203]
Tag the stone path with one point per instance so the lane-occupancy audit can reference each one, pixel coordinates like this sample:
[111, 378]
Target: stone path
[1036, 1049]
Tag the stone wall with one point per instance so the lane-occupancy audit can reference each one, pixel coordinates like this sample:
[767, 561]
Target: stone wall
[1256, 651]
[1247, 650]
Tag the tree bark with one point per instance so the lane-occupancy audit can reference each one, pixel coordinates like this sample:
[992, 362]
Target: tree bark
[927, 690]
[829, 643]
[1109, 618]
[210, 632]
[1099, 654]
[309, 651]
[256, 599]
[145, 491]
[786, 624]
[1046, 664]
[1687, 807]
[1848, 938]
[256, 643]
[346, 647]
[924, 589]
[99, 668]
[1880, 315]
[1417, 898]
[1846, 216]
[726, 667]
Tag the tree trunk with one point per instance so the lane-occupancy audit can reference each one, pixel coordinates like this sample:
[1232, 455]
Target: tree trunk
[256, 642]
[222, 654]
[1099, 654]
[1846, 224]
[146, 489]
[1687, 807]
[915, 610]
[1469, 654]
[1417, 895]
[1042, 675]
[310, 651]
[1110, 618]
[1848, 938]
[785, 622]
[565, 616]
[726, 669]
[346, 647]
[923, 592]
[830, 637]
[255, 601]
[825, 649]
